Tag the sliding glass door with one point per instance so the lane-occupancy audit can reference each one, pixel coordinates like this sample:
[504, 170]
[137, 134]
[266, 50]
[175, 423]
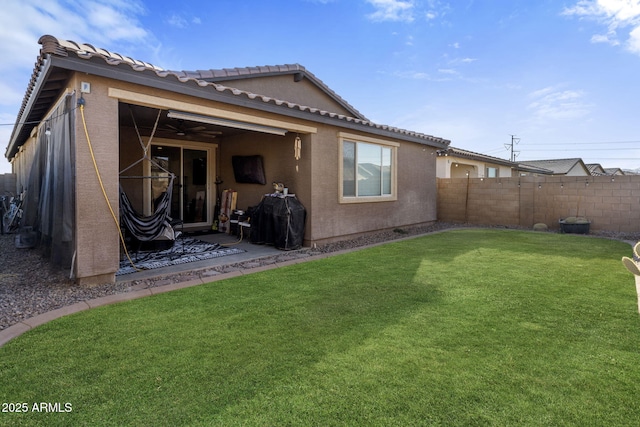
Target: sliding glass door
[192, 201]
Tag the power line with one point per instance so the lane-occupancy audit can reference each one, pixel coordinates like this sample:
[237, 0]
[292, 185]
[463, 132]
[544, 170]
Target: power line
[614, 158]
[35, 122]
[588, 149]
[587, 143]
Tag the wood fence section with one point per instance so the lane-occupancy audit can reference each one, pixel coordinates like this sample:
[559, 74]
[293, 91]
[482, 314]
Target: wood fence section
[610, 203]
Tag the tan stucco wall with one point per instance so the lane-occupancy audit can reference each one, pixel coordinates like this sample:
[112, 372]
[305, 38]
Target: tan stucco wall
[98, 251]
[446, 167]
[334, 221]
[279, 165]
[285, 88]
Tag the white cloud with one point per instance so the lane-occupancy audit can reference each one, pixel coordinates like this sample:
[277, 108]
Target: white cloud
[408, 10]
[431, 15]
[465, 60]
[177, 21]
[551, 103]
[416, 75]
[110, 24]
[115, 20]
[634, 41]
[605, 38]
[615, 15]
[101, 22]
[392, 10]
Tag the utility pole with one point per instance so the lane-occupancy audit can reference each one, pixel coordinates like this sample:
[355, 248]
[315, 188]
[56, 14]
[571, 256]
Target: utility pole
[514, 154]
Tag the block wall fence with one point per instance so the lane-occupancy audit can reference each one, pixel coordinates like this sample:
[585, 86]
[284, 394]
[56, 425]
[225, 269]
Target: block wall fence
[610, 203]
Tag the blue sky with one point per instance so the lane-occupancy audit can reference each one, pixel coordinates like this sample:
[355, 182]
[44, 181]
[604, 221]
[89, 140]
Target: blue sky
[560, 75]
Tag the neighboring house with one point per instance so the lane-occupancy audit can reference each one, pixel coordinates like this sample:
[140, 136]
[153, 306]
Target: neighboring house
[614, 171]
[87, 108]
[458, 163]
[567, 167]
[596, 169]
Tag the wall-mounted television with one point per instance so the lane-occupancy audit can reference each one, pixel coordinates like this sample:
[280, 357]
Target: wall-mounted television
[248, 169]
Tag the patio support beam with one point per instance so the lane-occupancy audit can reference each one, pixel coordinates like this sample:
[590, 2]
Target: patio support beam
[180, 115]
[166, 103]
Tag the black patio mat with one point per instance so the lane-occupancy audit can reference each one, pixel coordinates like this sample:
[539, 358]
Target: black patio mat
[183, 251]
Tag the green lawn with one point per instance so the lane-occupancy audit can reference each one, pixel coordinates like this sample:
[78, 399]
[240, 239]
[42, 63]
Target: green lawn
[466, 327]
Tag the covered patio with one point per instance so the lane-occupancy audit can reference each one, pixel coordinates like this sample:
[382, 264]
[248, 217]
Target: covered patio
[252, 255]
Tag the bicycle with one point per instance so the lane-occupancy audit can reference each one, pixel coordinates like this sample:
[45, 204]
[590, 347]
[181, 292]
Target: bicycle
[11, 213]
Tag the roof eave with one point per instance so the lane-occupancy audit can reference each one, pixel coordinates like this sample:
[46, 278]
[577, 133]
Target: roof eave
[191, 87]
[165, 80]
[23, 119]
[478, 156]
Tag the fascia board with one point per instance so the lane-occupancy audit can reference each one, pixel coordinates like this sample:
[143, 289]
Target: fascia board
[24, 114]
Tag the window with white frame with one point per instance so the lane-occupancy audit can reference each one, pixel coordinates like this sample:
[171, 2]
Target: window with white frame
[492, 172]
[368, 169]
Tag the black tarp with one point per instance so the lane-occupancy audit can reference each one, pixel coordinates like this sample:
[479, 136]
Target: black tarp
[278, 221]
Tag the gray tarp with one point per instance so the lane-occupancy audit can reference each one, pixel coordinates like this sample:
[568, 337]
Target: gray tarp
[49, 202]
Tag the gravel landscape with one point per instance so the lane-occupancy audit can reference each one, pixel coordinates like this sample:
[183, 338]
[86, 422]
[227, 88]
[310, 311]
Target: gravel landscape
[29, 285]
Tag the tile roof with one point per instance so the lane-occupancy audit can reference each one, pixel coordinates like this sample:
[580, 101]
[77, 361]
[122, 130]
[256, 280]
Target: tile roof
[53, 46]
[61, 47]
[458, 152]
[558, 166]
[224, 74]
[595, 169]
[614, 171]
[453, 151]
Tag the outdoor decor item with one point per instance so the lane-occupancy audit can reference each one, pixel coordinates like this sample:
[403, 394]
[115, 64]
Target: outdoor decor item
[576, 225]
[540, 227]
[632, 264]
[187, 250]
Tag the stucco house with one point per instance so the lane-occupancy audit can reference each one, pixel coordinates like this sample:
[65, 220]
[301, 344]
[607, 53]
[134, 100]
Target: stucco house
[455, 162]
[93, 119]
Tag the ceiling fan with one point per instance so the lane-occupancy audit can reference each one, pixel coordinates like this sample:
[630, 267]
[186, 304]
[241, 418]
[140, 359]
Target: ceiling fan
[181, 129]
